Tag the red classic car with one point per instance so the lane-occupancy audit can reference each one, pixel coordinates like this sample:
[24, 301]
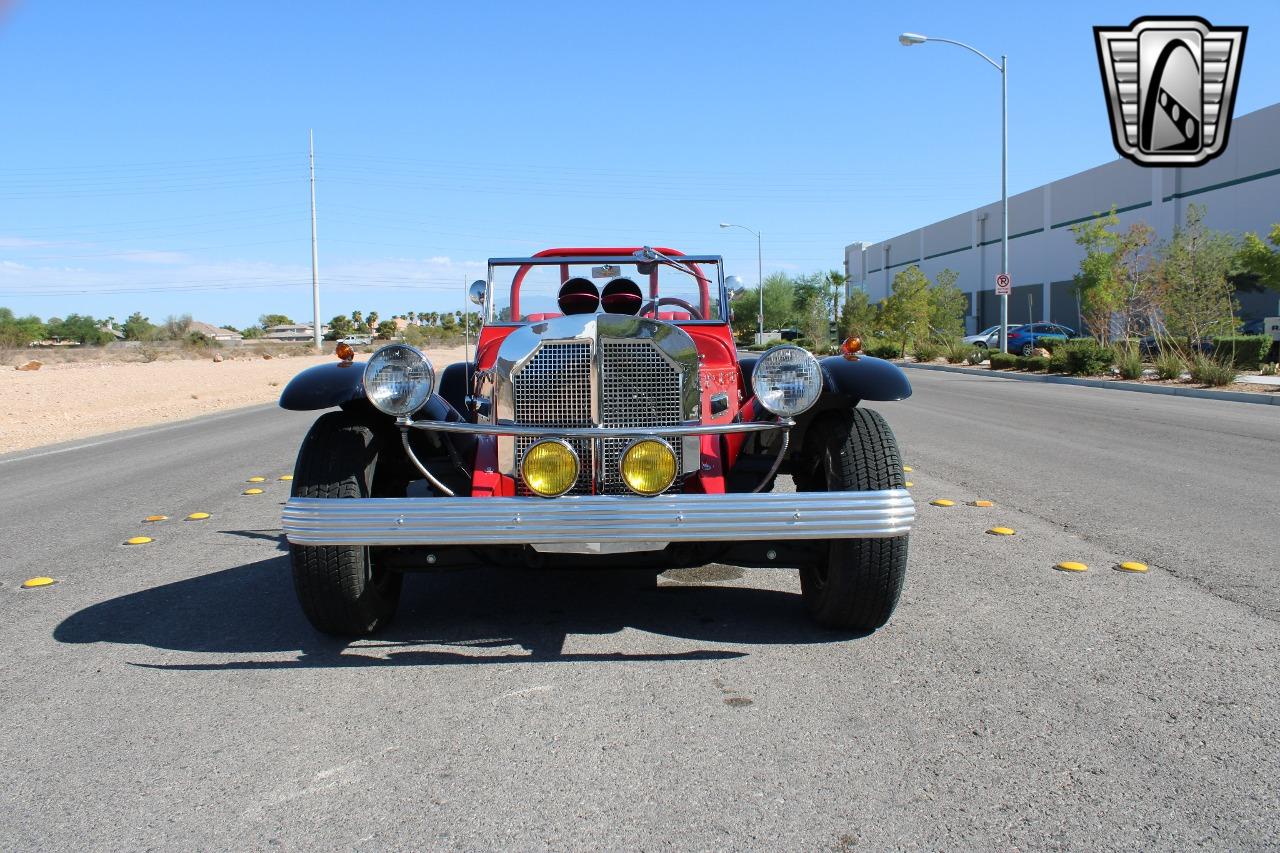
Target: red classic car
[607, 419]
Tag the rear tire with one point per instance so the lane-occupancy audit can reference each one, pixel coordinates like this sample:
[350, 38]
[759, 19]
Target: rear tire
[1028, 350]
[858, 585]
[340, 588]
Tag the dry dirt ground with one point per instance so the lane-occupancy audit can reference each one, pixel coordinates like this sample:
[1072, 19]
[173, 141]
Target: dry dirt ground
[61, 402]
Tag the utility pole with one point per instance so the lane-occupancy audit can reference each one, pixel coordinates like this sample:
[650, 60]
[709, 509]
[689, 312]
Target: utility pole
[315, 272]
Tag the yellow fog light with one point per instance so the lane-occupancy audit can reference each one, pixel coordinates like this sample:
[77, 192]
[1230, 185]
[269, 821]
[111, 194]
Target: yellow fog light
[549, 467]
[648, 466]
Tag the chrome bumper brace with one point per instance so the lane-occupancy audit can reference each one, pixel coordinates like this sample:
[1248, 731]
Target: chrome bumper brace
[598, 518]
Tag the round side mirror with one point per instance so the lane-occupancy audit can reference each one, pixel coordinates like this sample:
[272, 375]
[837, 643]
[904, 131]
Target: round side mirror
[476, 292]
[733, 285]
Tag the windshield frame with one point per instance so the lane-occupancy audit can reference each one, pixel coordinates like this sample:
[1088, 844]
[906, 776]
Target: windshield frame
[715, 285]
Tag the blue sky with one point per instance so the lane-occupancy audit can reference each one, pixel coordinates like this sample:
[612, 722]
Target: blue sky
[153, 154]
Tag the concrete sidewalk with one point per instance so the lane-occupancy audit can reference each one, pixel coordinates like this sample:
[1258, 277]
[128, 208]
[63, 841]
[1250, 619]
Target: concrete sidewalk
[1266, 399]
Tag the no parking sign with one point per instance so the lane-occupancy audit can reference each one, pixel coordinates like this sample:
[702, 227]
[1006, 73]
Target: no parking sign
[1003, 284]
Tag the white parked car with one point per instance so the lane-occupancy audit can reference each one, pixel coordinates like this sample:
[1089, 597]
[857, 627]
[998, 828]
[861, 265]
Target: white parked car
[988, 336]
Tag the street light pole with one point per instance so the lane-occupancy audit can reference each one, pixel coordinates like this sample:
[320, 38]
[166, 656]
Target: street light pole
[909, 39]
[759, 274]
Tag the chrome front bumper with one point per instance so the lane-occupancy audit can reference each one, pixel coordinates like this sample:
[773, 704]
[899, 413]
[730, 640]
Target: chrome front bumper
[598, 518]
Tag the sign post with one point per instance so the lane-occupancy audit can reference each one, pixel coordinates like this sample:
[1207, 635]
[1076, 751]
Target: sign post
[1004, 284]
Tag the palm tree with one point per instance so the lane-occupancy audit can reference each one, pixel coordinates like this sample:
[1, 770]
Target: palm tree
[373, 320]
[357, 319]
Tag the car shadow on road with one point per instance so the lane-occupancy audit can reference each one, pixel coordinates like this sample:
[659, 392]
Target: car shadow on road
[485, 616]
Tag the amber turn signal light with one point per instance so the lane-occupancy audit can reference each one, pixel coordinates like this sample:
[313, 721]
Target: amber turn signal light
[345, 352]
[851, 347]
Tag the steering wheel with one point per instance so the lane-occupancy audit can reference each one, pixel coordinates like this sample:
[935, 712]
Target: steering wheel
[652, 305]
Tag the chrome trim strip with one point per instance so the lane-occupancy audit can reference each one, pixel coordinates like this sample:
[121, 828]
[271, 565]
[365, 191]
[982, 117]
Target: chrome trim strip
[598, 518]
[599, 432]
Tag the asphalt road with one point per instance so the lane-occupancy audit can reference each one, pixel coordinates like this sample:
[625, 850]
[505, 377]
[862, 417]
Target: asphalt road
[170, 695]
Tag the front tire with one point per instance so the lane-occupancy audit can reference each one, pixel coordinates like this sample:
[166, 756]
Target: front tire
[857, 586]
[340, 588]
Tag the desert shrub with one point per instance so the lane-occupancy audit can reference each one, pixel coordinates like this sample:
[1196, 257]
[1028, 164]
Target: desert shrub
[148, 353]
[1128, 362]
[1169, 365]
[1004, 361]
[1271, 368]
[926, 350]
[976, 356]
[1208, 370]
[880, 348]
[1033, 363]
[1085, 357]
[1053, 344]
[1244, 352]
[1057, 360]
[199, 340]
[956, 350]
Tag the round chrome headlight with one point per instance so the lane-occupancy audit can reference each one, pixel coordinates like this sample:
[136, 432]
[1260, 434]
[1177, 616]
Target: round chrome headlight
[398, 380]
[787, 380]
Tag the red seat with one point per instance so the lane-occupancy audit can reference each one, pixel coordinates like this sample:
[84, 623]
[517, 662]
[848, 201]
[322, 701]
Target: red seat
[674, 315]
[538, 318]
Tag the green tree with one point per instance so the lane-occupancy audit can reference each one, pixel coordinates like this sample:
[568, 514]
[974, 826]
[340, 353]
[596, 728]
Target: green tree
[357, 319]
[340, 327]
[1196, 297]
[266, 321]
[138, 328]
[1260, 260]
[253, 333]
[79, 327]
[779, 301]
[372, 322]
[858, 315]
[448, 322]
[905, 313]
[1096, 284]
[19, 331]
[947, 304]
[387, 329]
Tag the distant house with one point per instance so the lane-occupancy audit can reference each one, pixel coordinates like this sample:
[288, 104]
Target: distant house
[299, 333]
[214, 333]
[108, 326]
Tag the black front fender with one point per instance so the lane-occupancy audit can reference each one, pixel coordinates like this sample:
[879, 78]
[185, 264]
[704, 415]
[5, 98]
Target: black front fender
[324, 386]
[864, 378]
[845, 384]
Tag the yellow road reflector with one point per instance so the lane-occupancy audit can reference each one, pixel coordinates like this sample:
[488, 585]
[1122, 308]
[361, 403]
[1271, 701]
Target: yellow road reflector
[138, 540]
[1069, 566]
[907, 468]
[942, 502]
[257, 479]
[286, 477]
[197, 516]
[1131, 567]
[1001, 531]
[908, 484]
[156, 518]
[252, 492]
[981, 503]
[32, 583]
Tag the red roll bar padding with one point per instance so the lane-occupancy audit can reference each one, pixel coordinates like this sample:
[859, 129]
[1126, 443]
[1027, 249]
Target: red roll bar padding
[703, 290]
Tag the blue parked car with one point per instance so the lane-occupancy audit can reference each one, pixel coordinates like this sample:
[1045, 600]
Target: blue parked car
[1024, 339]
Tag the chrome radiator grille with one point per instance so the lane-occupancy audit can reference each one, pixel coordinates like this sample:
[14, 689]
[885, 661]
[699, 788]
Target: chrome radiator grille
[554, 389]
[639, 387]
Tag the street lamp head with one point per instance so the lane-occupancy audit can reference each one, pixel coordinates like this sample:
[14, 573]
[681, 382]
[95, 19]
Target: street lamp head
[725, 225]
[908, 39]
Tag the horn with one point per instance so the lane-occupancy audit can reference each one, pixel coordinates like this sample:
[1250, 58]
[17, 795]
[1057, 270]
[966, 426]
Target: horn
[578, 296]
[622, 296]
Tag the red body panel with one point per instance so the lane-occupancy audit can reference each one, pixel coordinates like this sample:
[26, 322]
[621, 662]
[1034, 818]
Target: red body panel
[718, 373]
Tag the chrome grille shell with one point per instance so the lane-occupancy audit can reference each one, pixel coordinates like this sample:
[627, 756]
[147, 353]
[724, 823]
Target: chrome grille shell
[602, 370]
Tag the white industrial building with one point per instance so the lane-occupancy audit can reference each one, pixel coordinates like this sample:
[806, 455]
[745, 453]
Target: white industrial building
[1240, 191]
